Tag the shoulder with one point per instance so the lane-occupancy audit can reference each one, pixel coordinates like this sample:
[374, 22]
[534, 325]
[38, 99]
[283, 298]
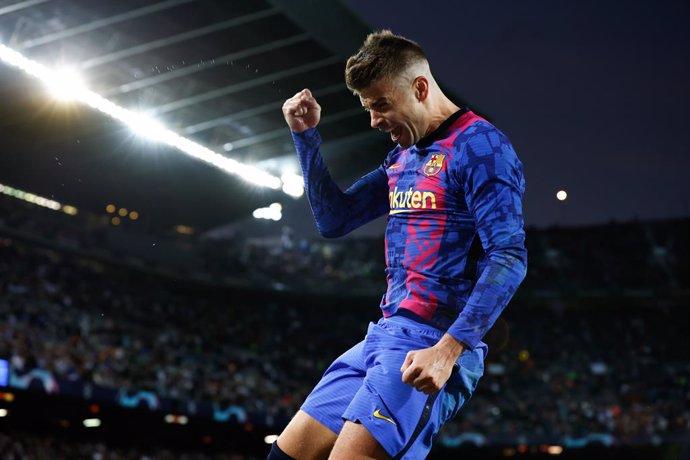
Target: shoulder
[481, 135]
[481, 140]
[478, 139]
[485, 153]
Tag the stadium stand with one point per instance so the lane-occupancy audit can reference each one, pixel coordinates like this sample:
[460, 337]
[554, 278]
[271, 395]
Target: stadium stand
[594, 352]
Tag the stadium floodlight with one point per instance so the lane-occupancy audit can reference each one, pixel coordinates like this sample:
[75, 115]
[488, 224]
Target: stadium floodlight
[176, 419]
[271, 438]
[66, 84]
[92, 422]
[37, 200]
[71, 210]
[293, 184]
[555, 450]
[146, 127]
[561, 195]
[141, 124]
[3, 412]
[273, 212]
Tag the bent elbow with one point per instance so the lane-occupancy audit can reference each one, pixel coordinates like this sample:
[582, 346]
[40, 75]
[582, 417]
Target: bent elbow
[514, 258]
[330, 233]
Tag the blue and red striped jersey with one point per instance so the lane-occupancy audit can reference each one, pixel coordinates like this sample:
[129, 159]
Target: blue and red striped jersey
[464, 182]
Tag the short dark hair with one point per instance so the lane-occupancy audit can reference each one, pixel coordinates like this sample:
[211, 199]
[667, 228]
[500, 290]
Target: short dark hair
[383, 55]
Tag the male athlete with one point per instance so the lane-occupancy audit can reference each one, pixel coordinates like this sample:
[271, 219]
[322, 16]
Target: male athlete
[452, 177]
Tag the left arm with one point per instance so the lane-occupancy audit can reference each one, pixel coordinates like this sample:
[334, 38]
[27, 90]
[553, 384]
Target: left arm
[493, 183]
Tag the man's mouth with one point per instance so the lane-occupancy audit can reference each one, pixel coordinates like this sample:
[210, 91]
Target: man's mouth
[396, 133]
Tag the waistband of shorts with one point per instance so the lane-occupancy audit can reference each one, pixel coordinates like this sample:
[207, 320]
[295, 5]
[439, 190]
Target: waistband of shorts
[409, 320]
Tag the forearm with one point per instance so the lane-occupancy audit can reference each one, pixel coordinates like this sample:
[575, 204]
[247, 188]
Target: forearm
[496, 285]
[324, 195]
[336, 212]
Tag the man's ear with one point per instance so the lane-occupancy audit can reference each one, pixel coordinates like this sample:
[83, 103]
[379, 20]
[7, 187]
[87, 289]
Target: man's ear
[421, 88]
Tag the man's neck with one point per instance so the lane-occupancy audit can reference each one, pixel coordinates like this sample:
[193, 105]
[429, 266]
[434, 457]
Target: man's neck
[440, 113]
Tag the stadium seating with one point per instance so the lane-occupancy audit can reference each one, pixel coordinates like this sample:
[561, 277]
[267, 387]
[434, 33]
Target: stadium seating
[593, 349]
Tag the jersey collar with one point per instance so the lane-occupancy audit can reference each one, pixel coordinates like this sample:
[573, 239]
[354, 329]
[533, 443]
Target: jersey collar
[436, 134]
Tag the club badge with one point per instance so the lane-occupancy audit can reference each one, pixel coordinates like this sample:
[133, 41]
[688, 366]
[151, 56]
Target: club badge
[434, 165]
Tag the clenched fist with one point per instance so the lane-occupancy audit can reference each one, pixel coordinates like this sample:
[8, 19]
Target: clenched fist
[429, 369]
[301, 111]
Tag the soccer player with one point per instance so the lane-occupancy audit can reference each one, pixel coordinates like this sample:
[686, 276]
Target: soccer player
[452, 180]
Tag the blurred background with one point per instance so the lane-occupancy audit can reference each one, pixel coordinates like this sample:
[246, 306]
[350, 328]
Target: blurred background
[164, 292]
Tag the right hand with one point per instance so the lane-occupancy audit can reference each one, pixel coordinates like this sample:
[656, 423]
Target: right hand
[302, 112]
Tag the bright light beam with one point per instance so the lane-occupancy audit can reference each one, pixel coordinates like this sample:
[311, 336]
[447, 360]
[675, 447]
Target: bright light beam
[65, 84]
[293, 184]
[140, 124]
[37, 200]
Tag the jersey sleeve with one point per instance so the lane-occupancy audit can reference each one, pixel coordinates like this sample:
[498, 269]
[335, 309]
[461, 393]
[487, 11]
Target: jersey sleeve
[336, 212]
[493, 184]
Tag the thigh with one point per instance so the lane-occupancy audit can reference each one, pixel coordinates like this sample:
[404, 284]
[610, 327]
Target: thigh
[356, 443]
[334, 392]
[314, 429]
[306, 439]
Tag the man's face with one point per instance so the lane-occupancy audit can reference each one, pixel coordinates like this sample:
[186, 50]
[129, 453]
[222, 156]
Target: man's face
[394, 109]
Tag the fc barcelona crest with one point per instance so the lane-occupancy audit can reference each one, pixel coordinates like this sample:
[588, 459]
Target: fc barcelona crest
[434, 165]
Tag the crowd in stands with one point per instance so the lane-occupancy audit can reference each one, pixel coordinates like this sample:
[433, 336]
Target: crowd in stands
[567, 374]
[286, 261]
[23, 446]
[606, 259]
[552, 372]
[81, 320]
[614, 257]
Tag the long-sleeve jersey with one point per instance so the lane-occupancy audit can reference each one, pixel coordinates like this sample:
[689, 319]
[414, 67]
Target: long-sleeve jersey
[462, 181]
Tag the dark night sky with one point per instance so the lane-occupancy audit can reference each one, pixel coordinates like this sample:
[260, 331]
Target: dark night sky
[593, 94]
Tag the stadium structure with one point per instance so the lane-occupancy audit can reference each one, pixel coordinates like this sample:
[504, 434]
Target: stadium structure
[160, 276]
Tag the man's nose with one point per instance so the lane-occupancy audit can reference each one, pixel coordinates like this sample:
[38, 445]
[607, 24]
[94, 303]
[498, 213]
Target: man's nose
[375, 119]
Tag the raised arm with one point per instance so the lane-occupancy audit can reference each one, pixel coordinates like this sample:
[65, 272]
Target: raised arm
[336, 212]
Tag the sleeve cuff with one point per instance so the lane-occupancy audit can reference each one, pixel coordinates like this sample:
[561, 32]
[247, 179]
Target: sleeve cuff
[468, 336]
[309, 138]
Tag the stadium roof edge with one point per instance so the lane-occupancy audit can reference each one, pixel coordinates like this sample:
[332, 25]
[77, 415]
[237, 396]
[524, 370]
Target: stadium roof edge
[337, 28]
[332, 24]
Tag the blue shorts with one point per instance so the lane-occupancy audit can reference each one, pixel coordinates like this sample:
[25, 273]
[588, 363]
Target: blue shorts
[364, 385]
